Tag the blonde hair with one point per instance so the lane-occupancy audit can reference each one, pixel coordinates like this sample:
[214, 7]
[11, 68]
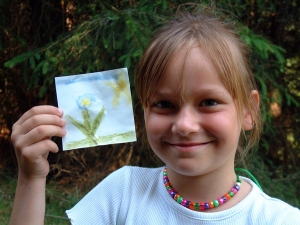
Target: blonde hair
[224, 48]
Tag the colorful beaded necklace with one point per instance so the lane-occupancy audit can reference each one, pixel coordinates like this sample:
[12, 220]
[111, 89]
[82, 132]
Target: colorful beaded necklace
[202, 205]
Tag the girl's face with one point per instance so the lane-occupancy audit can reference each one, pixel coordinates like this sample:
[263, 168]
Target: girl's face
[192, 125]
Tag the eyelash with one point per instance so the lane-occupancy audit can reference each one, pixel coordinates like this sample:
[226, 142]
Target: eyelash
[159, 104]
[168, 104]
[210, 101]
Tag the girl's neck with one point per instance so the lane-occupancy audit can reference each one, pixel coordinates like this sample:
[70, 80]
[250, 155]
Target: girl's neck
[204, 187]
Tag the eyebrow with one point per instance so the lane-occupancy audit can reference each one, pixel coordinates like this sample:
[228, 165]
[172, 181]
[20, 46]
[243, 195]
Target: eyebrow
[215, 91]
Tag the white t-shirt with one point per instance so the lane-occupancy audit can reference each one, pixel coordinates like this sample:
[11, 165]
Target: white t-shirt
[135, 195]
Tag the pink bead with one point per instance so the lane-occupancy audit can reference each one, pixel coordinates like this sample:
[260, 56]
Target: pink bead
[234, 190]
[165, 177]
[172, 189]
[183, 202]
[221, 201]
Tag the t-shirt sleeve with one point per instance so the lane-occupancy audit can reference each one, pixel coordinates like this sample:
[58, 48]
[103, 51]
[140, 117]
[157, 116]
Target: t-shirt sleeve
[101, 205]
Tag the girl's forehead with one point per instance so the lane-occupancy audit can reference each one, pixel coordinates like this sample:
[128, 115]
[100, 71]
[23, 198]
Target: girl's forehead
[189, 63]
[190, 71]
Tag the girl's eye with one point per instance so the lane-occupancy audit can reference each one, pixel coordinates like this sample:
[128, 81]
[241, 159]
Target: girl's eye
[209, 102]
[164, 104]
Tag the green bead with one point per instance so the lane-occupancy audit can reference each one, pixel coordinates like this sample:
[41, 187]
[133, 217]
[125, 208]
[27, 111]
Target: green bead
[164, 173]
[196, 205]
[216, 203]
[231, 193]
[168, 187]
[179, 199]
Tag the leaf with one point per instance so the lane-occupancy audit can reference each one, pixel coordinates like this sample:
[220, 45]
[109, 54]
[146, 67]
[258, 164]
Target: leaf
[246, 39]
[87, 120]
[18, 59]
[37, 56]
[128, 62]
[98, 120]
[53, 60]
[32, 62]
[263, 85]
[79, 125]
[164, 3]
[45, 67]
[278, 55]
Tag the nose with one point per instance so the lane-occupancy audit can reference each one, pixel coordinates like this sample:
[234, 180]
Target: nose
[186, 122]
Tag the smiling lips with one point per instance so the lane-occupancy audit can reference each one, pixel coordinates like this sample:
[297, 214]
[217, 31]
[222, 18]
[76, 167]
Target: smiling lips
[187, 147]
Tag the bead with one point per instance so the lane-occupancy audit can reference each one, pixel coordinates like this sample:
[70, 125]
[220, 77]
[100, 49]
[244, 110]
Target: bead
[183, 202]
[167, 184]
[206, 205]
[221, 201]
[196, 206]
[192, 206]
[211, 204]
[176, 197]
[234, 190]
[227, 196]
[231, 193]
[224, 199]
[179, 199]
[173, 193]
[187, 204]
[237, 187]
[201, 205]
[216, 203]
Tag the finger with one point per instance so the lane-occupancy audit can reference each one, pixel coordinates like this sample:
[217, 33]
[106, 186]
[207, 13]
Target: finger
[39, 149]
[44, 109]
[38, 120]
[36, 135]
[32, 160]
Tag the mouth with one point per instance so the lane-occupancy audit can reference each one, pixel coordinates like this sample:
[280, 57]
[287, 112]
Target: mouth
[188, 147]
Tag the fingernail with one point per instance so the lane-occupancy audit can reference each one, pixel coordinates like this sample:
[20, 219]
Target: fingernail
[61, 111]
[63, 120]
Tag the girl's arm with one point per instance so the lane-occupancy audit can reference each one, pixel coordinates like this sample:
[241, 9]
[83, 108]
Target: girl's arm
[31, 138]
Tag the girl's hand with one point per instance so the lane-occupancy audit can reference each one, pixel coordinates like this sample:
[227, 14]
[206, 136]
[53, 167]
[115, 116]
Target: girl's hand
[31, 138]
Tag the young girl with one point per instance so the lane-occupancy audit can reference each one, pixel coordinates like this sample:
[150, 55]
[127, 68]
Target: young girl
[201, 109]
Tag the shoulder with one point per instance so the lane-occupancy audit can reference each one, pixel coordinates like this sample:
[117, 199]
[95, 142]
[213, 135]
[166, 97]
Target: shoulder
[126, 177]
[127, 174]
[272, 210]
[108, 202]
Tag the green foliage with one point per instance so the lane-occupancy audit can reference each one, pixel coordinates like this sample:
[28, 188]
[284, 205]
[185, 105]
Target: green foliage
[111, 39]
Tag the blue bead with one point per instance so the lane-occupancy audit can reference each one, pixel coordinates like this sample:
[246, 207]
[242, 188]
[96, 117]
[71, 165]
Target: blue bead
[173, 193]
[206, 205]
[237, 187]
[187, 204]
[166, 181]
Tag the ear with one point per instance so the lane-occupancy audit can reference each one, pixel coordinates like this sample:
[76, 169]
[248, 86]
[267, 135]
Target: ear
[247, 117]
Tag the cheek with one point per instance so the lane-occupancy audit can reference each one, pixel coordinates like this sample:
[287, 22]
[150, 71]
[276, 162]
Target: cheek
[223, 125]
[157, 128]
[155, 125]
